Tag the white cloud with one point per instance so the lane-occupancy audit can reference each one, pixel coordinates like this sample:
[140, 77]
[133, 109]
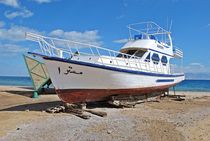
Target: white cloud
[12, 49]
[121, 41]
[15, 33]
[24, 13]
[13, 3]
[20, 11]
[57, 32]
[91, 36]
[43, 1]
[196, 64]
[12, 37]
[196, 68]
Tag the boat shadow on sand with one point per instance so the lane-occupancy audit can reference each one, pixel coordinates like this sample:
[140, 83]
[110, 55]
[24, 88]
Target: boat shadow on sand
[38, 104]
[42, 106]
[28, 91]
[19, 92]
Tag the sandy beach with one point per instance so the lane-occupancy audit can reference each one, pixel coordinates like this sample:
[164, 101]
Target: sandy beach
[24, 118]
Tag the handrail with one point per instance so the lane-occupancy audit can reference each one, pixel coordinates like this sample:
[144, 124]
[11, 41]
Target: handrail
[178, 52]
[40, 37]
[80, 51]
[150, 26]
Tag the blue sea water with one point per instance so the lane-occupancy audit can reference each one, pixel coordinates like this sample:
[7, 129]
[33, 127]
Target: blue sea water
[186, 85]
[15, 81]
[194, 85]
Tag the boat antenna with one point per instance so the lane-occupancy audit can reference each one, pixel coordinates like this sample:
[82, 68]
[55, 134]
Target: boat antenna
[167, 24]
[170, 26]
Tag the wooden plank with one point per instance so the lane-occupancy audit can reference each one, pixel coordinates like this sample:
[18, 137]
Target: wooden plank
[98, 113]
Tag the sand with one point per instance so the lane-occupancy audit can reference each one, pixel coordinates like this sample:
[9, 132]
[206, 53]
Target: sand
[23, 118]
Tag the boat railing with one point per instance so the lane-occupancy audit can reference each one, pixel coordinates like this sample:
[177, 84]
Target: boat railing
[149, 30]
[92, 53]
[176, 69]
[178, 53]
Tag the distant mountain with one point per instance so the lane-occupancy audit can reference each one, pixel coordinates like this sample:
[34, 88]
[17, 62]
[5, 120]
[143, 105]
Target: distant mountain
[198, 76]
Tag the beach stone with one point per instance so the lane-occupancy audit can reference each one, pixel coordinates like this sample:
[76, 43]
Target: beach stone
[109, 131]
[18, 129]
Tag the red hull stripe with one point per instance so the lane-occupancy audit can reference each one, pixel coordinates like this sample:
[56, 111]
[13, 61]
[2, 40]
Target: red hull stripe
[89, 95]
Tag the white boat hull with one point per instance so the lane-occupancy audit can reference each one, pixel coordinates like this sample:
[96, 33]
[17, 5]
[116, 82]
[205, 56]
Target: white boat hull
[76, 81]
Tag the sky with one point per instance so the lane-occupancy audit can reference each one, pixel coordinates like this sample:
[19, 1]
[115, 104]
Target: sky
[103, 22]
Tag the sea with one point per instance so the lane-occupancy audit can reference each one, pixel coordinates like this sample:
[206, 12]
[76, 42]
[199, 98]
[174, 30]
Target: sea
[186, 85]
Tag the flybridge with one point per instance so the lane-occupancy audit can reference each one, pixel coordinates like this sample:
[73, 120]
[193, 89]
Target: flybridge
[142, 34]
[150, 30]
[147, 28]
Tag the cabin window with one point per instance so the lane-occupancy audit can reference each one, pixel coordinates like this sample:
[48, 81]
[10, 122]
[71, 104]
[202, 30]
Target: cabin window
[119, 55]
[136, 37]
[122, 55]
[135, 53]
[131, 52]
[152, 37]
[141, 36]
[164, 60]
[147, 58]
[140, 53]
[155, 58]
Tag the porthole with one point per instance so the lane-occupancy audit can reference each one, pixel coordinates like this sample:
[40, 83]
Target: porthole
[164, 60]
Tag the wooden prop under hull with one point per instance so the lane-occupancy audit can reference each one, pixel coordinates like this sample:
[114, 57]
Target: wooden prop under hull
[91, 95]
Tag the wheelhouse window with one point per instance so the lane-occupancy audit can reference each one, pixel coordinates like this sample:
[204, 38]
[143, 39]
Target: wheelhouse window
[136, 37]
[164, 60]
[139, 53]
[130, 53]
[133, 53]
[147, 58]
[141, 36]
[155, 58]
[152, 37]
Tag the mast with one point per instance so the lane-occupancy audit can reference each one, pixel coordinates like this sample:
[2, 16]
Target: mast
[170, 40]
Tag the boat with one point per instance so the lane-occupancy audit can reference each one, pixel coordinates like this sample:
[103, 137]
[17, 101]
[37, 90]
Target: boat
[84, 72]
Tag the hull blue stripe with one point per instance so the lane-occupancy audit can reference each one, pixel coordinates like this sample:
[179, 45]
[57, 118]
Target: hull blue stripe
[110, 68]
[165, 80]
